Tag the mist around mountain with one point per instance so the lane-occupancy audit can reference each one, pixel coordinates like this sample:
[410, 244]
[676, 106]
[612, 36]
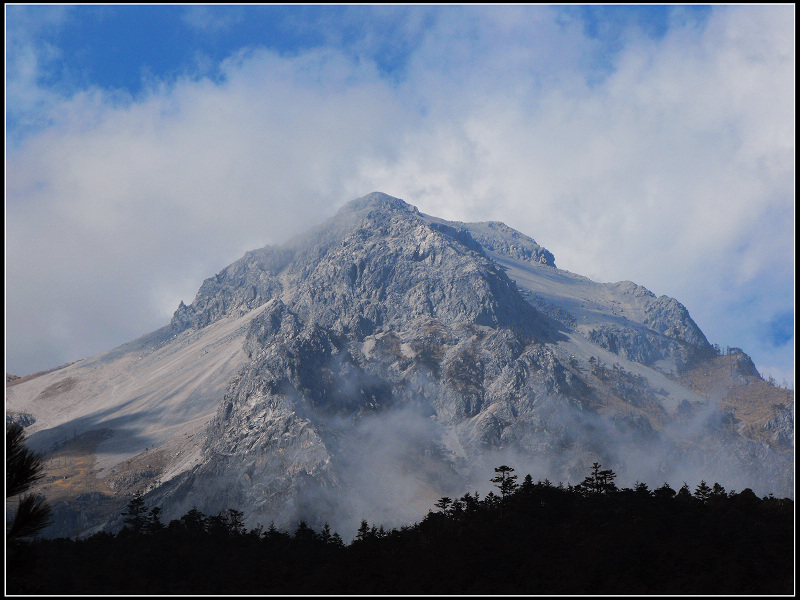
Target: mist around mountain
[388, 358]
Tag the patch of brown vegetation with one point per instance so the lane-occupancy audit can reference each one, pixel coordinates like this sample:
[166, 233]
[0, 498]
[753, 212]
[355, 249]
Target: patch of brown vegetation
[617, 392]
[69, 470]
[464, 371]
[387, 346]
[81, 493]
[752, 400]
[429, 344]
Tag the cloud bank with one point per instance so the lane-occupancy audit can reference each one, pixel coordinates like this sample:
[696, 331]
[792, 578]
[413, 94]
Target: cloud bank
[664, 159]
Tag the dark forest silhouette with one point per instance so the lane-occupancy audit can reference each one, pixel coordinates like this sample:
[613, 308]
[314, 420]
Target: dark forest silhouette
[531, 538]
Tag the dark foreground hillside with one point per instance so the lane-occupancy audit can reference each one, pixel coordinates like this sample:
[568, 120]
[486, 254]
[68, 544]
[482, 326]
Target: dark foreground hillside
[532, 538]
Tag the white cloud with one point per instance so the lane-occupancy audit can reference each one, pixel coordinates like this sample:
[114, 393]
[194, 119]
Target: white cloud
[675, 170]
[29, 59]
[123, 206]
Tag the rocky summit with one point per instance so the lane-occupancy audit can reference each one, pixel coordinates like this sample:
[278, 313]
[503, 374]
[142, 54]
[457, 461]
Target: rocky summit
[387, 358]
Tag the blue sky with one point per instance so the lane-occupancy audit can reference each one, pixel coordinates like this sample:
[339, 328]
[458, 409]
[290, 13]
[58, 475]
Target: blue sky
[128, 48]
[150, 146]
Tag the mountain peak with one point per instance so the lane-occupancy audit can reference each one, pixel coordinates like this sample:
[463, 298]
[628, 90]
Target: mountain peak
[377, 200]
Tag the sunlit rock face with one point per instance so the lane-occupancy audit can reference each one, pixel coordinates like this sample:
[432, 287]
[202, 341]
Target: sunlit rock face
[387, 358]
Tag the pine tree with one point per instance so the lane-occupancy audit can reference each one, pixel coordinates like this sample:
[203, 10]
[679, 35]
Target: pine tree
[471, 503]
[218, 525]
[504, 481]
[154, 524]
[271, 531]
[590, 483]
[236, 522]
[665, 491]
[457, 508]
[491, 500]
[703, 491]
[718, 492]
[526, 487]
[443, 503]
[325, 534]
[194, 521]
[304, 534]
[273, 534]
[23, 469]
[606, 481]
[684, 493]
[363, 531]
[136, 515]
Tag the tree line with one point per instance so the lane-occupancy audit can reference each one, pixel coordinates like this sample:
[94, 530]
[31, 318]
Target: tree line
[527, 537]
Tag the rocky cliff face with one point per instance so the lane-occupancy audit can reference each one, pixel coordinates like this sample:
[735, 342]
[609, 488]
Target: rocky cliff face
[387, 358]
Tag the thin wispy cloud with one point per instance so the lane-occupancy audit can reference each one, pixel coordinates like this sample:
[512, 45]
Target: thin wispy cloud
[213, 20]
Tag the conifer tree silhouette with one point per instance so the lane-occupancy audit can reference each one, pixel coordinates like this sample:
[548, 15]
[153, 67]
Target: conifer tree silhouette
[23, 469]
[505, 481]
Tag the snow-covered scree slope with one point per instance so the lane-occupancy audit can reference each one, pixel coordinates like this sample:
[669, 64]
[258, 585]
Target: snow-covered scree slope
[388, 358]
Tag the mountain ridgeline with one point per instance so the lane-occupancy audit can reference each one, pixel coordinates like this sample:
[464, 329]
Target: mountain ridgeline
[386, 358]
